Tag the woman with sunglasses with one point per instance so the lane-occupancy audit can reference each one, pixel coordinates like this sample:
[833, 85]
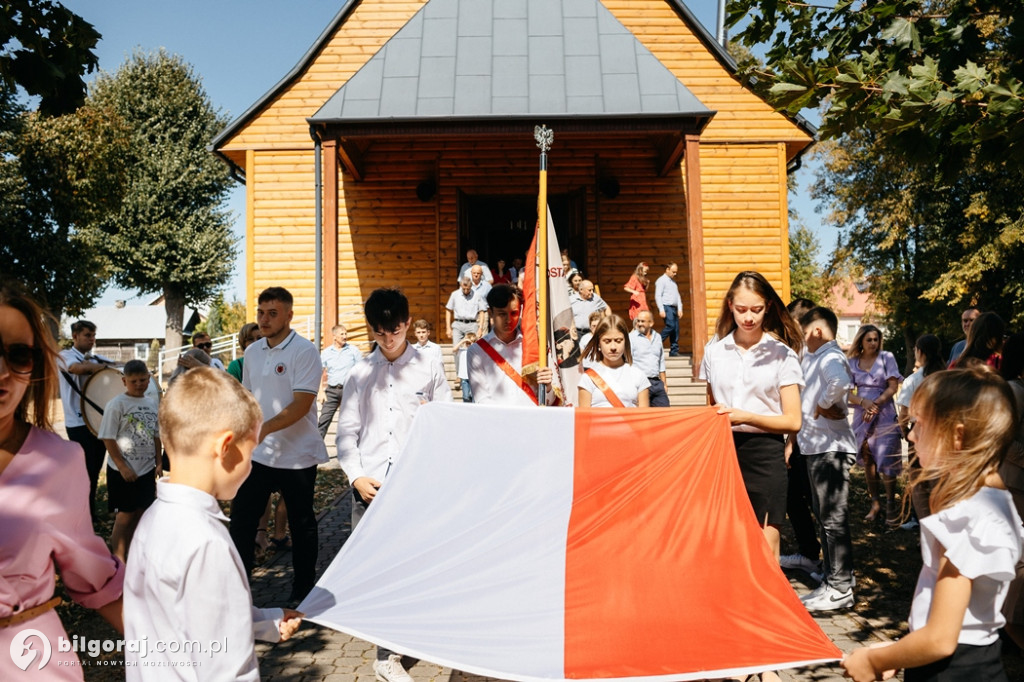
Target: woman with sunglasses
[44, 504]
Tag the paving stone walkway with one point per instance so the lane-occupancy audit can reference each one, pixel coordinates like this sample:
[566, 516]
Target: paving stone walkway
[317, 653]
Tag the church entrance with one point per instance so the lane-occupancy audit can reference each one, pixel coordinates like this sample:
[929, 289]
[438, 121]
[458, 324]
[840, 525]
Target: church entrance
[502, 226]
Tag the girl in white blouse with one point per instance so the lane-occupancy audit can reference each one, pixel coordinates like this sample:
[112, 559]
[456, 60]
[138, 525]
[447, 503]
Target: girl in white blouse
[962, 423]
[610, 379]
[754, 376]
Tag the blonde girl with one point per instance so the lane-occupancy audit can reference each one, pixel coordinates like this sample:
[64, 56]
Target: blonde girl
[754, 376]
[610, 379]
[962, 423]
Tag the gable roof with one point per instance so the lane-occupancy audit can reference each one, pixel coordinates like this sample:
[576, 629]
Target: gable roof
[473, 59]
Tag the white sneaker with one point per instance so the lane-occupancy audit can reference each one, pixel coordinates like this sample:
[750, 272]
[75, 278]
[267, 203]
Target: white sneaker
[828, 599]
[816, 592]
[391, 670]
[799, 561]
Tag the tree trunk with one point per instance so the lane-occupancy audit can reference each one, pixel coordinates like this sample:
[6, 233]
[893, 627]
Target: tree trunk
[174, 305]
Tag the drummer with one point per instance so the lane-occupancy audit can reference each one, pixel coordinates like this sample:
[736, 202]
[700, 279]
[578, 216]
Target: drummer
[77, 364]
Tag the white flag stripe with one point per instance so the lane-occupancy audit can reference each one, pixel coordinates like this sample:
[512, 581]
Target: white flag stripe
[503, 556]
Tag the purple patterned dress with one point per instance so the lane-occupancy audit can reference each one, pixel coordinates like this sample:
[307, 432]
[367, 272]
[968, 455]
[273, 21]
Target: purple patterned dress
[883, 432]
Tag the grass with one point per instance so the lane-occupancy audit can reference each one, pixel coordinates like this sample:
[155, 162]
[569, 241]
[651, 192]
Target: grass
[886, 563]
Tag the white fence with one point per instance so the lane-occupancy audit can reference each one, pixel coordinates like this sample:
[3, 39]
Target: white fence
[224, 347]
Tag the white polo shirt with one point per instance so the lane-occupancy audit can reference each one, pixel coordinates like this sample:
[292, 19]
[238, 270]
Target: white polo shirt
[274, 375]
[69, 397]
[750, 380]
[465, 307]
[377, 408]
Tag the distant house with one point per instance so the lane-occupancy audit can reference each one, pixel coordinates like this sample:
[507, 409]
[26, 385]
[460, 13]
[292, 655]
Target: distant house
[854, 306]
[126, 332]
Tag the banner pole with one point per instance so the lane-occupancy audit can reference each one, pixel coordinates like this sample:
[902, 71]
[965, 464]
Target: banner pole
[544, 137]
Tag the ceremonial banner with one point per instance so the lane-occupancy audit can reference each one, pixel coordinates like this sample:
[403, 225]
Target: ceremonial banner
[577, 544]
[563, 344]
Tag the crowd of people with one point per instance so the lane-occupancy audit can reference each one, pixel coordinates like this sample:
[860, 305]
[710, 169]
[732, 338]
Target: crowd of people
[802, 411]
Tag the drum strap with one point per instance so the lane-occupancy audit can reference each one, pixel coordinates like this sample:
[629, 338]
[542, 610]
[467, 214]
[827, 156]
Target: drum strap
[74, 385]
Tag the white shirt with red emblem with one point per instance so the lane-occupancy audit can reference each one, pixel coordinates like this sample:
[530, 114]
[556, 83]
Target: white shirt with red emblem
[274, 375]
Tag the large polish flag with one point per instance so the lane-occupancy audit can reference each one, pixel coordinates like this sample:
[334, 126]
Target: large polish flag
[570, 544]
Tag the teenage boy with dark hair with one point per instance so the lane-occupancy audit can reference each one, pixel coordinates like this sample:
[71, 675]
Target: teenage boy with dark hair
[828, 447]
[282, 370]
[496, 360]
[384, 392]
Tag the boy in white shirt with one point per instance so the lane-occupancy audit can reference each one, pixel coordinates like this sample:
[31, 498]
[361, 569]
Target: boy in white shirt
[386, 389]
[421, 328]
[186, 581]
[829, 446]
[130, 434]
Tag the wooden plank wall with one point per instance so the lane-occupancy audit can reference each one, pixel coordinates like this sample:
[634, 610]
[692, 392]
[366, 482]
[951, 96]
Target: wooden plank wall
[744, 217]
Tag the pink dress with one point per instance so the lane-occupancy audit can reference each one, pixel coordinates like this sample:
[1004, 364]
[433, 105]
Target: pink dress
[45, 526]
[637, 302]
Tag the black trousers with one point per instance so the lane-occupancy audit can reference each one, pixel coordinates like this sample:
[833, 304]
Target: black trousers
[95, 453]
[331, 404]
[798, 506]
[296, 486]
[656, 393]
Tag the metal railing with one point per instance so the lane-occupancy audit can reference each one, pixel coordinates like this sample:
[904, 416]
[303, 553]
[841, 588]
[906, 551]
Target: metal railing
[167, 359]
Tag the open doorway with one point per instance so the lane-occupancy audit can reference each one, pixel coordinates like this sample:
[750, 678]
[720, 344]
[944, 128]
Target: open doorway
[502, 226]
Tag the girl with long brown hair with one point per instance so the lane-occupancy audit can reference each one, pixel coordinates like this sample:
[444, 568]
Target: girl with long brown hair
[754, 376]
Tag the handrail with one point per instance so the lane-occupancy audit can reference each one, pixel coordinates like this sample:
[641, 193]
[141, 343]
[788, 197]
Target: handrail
[224, 344]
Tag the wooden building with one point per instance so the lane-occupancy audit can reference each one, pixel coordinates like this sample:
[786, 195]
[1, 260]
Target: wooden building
[424, 113]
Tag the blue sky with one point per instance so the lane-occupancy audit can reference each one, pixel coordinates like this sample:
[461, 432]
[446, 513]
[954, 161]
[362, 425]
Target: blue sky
[241, 48]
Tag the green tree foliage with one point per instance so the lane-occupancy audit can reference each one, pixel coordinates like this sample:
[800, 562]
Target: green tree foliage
[46, 49]
[922, 104]
[223, 318]
[170, 234]
[807, 277]
[932, 73]
[59, 174]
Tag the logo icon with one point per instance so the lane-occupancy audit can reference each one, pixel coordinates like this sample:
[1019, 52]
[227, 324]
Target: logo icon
[281, 368]
[22, 652]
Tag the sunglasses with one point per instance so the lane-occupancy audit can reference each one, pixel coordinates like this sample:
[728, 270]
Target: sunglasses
[205, 346]
[20, 358]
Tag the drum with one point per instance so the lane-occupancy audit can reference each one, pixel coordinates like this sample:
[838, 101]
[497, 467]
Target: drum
[101, 388]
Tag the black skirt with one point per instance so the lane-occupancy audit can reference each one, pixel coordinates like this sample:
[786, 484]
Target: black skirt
[762, 458]
[968, 663]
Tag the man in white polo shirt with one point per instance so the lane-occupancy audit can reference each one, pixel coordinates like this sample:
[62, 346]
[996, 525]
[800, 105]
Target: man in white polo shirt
[77, 364]
[464, 312]
[283, 372]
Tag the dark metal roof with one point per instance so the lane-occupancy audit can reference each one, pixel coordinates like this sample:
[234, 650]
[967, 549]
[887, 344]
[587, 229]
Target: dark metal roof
[502, 59]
